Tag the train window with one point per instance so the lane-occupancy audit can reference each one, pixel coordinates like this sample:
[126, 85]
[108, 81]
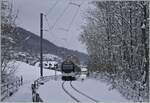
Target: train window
[45, 64]
[67, 67]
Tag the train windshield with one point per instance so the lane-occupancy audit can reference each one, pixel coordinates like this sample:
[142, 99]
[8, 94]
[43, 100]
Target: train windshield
[67, 67]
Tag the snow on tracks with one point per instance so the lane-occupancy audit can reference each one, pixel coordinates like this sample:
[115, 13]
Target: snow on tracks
[80, 93]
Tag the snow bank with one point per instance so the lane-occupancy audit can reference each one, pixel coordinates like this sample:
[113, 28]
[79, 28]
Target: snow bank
[99, 91]
[29, 74]
[53, 92]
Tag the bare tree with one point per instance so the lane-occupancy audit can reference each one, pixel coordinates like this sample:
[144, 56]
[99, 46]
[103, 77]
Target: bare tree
[7, 43]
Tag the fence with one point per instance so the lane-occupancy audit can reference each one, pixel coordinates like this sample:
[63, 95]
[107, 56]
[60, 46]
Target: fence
[8, 89]
[35, 96]
[40, 81]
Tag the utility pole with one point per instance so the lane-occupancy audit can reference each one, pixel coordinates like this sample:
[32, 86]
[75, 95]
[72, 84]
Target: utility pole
[41, 44]
[144, 41]
[55, 72]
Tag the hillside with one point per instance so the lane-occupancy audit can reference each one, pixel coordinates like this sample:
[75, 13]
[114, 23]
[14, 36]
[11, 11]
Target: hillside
[31, 43]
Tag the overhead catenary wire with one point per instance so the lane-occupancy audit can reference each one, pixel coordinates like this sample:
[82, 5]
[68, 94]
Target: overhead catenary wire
[74, 16]
[49, 28]
[72, 20]
[50, 10]
[60, 15]
[76, 13]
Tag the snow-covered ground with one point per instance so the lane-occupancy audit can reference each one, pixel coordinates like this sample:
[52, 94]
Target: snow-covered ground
[51, 56]
[47, 64]
[29, 73]
[52, 90]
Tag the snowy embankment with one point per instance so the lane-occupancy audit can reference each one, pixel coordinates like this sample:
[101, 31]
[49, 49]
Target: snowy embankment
[99, 91]
[52, 91]
[29, 73]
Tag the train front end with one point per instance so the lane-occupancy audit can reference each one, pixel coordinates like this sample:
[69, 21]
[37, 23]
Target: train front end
[68, 71]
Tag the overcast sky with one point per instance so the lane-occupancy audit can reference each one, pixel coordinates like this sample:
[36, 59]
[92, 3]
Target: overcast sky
[29, 19]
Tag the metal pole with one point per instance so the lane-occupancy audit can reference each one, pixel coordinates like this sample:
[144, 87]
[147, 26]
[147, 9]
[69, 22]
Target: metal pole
[55, 73]
[41, 45]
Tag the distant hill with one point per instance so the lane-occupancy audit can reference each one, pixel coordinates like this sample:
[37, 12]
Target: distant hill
[31, 43]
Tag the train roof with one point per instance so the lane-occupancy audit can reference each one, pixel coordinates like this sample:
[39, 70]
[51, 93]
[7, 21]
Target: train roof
[67, 61]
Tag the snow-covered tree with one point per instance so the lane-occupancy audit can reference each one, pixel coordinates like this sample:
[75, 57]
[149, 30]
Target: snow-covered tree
[7, 43]
[116, 36]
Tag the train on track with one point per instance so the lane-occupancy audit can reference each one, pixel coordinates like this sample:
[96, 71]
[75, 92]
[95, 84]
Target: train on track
[70, 68]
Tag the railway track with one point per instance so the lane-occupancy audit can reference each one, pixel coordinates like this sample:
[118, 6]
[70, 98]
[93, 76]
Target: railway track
[73, 97]
[83, 93]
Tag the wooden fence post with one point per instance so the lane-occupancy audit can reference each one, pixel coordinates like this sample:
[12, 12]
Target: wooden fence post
[13, 87]
[10, 88]
[18, 83]
[21, 78]
[7, 90]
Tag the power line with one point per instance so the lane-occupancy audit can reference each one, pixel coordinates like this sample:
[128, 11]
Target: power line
[50, 10]
[74, 16]
[49, 28]
[46, 14]
[75, 4]
[61, 15]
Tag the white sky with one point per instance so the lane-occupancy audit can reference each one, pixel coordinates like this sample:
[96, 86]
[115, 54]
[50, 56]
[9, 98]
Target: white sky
[29, 19]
